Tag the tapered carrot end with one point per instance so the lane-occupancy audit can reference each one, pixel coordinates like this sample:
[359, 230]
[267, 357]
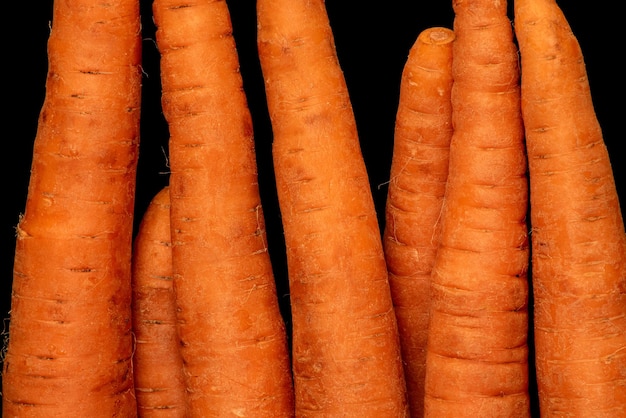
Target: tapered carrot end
[541, 26]
[529, 14]
[436, 36]
[431, 52]
[552, 67]
[418, 174]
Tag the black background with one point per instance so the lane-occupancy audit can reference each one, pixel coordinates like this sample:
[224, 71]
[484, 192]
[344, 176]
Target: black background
[372, 39]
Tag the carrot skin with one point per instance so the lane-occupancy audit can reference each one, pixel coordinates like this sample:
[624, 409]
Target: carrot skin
[157, 362]
[477, 353]
[70, 344]
[232, 336]
[346, 356]
[578, 238]
[418, 174]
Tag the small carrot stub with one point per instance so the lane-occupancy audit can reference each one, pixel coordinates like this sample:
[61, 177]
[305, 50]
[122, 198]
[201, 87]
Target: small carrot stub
[232, 336]
[418, 174]
[578, 238]
[477, 353]
[70, 343]
[346, 356]
[157, 362]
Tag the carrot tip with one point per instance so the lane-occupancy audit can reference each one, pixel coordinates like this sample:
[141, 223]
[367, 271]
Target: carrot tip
[438, 35]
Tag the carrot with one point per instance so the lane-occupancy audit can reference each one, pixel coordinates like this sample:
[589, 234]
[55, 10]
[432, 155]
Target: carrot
[232, 335]
[346, 355]
[419, 169]
[157, 363]
[578, 238]
[70, 343]
[477, 352]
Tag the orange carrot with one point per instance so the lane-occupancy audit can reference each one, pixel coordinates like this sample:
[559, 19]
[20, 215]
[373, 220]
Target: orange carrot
[419, 170]
[232, 335]
[346, 355]
[578, 238]
[477, 353]
[157, 362]
[70, 343]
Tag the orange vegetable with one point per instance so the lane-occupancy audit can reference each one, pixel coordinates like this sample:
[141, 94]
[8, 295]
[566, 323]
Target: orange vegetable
[346, 355]
[578, 238]
[70, 343]
[419, 170]
[157, 362]
[232, 336]
[477, 353]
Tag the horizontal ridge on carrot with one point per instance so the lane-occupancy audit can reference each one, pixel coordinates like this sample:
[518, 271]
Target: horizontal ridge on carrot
[578, 238]
[70, 343]
[419, 170]
[477, 351]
